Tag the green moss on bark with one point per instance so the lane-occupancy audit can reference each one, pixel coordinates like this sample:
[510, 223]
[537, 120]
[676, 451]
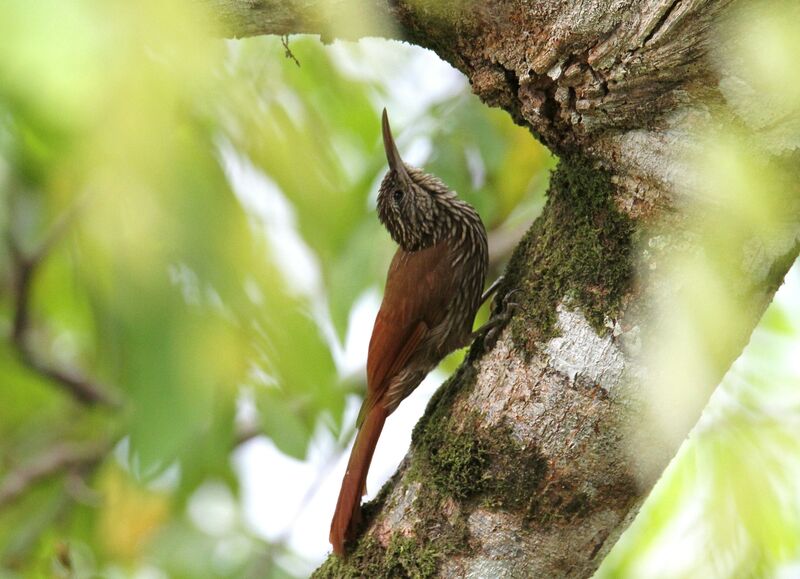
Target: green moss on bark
[448, 456]
[372, 509]
[411, 559]
[515, 472]
[439, 523]
[417, 555]
[578, 251]
[365, 561]
[457, 457]
[452, 458]
[402, 557]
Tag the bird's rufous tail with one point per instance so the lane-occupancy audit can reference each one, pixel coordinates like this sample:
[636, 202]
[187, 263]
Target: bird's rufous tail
[348, 508]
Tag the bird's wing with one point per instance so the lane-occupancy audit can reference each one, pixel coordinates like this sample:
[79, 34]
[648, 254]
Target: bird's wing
[418, 288]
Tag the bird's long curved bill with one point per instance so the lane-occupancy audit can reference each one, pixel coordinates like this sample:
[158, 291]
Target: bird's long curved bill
[392, 154]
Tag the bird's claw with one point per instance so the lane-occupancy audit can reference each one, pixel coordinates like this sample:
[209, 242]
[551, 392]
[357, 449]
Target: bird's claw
[490, 331]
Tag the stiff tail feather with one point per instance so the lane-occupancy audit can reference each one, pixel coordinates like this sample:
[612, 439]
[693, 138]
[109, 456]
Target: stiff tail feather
[348, 508]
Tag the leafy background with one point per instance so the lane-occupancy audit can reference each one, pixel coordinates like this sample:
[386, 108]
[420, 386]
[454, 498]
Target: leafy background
[189, 267]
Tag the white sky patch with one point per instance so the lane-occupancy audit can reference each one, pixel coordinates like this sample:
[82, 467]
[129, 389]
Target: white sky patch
[278, 498]
[789, 571]
[264, 200]
[663, 559]
[788, 296]
[275, 487]
[359, 331]
[476, 166]
[414, 78]
[309, 537]
[417, 152]
[212, 509]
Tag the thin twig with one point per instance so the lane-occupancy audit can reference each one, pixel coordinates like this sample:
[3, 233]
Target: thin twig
[81, 388]
[24, 269]
[22, 273]
[61, 458]
[246, 433]
[59, 227]
[289, 53]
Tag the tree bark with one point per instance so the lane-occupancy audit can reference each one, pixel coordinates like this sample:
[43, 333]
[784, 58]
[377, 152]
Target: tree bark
[535, 456]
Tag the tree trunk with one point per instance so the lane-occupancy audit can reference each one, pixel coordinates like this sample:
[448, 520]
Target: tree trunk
[535, 456]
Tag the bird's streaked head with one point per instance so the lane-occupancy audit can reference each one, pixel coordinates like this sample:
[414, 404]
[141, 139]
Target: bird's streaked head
[409, 200]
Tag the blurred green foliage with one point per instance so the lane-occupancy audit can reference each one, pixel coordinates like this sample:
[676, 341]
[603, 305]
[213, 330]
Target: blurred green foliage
[728, 504]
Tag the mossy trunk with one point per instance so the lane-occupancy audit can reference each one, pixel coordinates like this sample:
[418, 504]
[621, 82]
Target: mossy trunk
[534, 457]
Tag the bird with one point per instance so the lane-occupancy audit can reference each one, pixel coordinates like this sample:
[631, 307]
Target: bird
[433, 290]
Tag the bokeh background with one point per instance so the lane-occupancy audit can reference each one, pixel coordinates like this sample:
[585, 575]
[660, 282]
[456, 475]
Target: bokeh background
[191, 263]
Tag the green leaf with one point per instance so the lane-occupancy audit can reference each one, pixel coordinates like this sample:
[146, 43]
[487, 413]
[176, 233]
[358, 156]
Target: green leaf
[282, 424]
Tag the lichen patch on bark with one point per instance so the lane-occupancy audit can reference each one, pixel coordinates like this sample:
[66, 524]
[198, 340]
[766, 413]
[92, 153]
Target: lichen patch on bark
[582, 355]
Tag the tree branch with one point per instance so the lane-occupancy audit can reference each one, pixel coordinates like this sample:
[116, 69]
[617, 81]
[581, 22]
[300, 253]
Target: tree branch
[60, 458]
[24, 268]
[344, 19]
[72, 456]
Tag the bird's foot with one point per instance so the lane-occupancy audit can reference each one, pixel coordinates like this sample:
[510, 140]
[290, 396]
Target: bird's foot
[492, 289]
[490, 331]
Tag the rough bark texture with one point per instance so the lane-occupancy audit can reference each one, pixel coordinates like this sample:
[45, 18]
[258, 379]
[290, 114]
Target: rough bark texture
[522, 465]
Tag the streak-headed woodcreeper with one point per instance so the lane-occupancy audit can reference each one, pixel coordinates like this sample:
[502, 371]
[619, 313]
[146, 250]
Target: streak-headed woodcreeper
[433, 290]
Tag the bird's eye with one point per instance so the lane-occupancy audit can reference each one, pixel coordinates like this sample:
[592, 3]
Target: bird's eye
[398, 195]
